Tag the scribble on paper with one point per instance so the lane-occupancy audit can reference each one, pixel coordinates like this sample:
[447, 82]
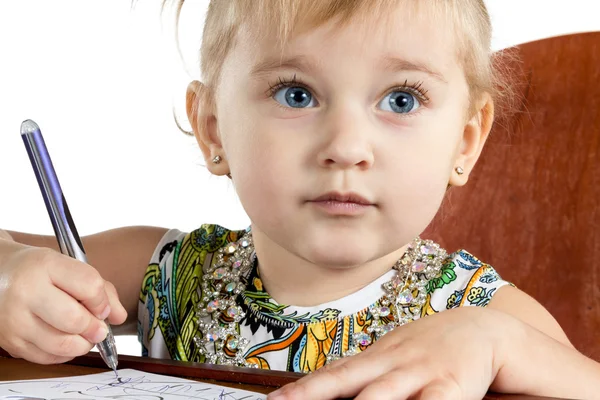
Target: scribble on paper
[131, 385]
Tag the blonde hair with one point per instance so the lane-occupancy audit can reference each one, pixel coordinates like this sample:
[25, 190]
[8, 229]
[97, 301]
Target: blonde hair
[283, 18]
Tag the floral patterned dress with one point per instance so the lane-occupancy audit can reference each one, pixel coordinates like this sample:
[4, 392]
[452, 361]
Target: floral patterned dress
[282, 337]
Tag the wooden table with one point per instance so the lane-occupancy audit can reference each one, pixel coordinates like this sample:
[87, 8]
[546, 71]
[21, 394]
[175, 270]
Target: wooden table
[260, 381]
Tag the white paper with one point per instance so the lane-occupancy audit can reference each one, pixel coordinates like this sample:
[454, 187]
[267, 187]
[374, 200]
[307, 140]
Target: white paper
[131, 385]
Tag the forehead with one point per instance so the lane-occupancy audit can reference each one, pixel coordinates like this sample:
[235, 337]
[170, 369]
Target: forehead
[419, 34]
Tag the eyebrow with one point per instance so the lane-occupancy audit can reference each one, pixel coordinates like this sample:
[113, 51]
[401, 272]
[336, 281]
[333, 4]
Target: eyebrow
[303, 64]
[398, 64]
[300, 63]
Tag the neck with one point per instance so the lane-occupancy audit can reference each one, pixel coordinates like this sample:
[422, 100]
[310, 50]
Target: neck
[293, 280]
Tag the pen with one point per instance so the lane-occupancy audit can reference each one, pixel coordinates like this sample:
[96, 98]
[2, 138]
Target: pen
[64, 228]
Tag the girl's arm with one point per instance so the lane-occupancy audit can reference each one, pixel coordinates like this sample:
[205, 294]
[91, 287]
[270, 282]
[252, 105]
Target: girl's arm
[542, 357]
[537, 364]
[520, 305]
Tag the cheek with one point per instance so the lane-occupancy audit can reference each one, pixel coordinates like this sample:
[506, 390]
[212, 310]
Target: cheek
[256, 152]
[262, 165]
[419, 188]
[420, 168]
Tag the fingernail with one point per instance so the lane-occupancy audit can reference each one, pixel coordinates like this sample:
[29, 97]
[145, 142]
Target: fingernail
[100, 334]
[104, 314]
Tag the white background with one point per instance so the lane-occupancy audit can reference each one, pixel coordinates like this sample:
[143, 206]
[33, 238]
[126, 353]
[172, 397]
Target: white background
[102, 80]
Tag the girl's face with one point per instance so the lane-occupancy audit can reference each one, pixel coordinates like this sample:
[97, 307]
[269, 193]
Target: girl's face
[341, 146]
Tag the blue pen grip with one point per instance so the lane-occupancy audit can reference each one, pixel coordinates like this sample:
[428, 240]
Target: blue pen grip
[58, 210]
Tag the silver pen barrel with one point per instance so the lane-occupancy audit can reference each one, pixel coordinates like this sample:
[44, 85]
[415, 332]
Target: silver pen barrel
[60, 216]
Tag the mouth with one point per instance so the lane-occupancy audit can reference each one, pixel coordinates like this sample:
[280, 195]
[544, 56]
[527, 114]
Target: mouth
[342, 204]
[344, 198]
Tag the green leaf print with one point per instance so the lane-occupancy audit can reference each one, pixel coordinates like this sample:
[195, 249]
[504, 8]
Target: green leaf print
[266, 306]
[447, 275]
[256, 295]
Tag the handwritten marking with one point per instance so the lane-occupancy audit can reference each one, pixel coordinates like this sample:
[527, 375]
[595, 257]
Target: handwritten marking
[131, 385]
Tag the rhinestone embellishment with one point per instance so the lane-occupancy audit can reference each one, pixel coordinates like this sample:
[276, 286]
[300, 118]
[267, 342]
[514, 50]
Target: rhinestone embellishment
[362, 339]
[219, 273]
[219, 314]
[230, 287]
[405, 294]
[232, 343]
[419, 266]
[384, 311]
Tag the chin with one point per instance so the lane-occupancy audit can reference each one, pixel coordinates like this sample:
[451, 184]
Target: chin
[340, 263]
[339, 255]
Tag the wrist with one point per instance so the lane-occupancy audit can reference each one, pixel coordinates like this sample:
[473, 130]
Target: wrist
[506, 336]
[511, 340]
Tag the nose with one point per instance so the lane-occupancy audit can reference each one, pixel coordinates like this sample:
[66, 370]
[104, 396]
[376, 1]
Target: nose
[347, 139]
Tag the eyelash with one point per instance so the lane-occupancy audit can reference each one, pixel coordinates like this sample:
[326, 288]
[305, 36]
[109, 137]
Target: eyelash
[283, 83]
[416, 89]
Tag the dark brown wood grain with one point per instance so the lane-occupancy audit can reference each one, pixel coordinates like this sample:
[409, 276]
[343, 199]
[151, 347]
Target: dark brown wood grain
[199, 371]
[531, 206]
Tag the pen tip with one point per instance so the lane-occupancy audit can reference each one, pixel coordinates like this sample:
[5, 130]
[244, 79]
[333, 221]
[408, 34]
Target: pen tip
[28, 126]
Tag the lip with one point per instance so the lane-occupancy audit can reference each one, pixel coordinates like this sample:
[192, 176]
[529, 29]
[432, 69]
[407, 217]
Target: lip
[342, 204]
[349, 197]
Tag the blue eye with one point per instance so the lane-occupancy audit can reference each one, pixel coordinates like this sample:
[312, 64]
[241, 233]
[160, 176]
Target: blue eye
[400, 102]
[295, 97]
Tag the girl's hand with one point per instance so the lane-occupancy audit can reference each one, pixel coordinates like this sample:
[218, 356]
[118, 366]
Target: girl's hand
[450, 355]
[52, 307]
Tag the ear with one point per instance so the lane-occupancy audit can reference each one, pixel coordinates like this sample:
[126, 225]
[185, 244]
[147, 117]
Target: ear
[474, 137]
[201, 108]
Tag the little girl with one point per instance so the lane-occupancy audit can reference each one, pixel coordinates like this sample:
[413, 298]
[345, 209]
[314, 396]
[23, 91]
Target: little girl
[341, 125]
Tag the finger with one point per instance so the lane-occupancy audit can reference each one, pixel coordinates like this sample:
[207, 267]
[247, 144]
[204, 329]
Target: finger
[67, 315]
[52, 341]
[442, 391]
[399, 384]
[82, 282]
[118, 314]
[345, 379]
[30, 352]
